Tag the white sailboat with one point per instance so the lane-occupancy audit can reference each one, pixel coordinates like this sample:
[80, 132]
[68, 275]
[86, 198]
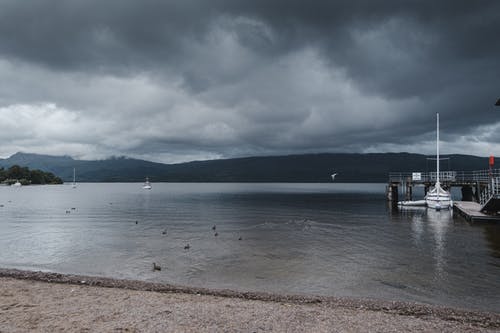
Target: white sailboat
[333, 176]
[74, 178]
[147, 184]
[438, 198]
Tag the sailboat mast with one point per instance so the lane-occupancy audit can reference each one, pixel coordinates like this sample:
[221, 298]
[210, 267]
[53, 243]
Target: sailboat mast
[437, 148]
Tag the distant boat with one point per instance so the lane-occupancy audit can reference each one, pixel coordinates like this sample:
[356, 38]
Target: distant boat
[74, 178]
[147, 184]
[437, 198]
[333, 176]
[17, 184]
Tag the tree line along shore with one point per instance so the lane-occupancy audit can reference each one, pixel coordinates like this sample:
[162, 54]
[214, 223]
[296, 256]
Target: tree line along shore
[25, 176]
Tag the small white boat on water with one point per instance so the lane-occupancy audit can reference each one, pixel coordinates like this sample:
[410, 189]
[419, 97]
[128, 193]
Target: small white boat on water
[147, 185]
[74, 178]
[412, 203]
[17, 184]
[333, 176]
[438, 198]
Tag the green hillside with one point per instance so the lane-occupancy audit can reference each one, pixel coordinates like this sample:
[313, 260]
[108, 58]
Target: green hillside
[292, 168]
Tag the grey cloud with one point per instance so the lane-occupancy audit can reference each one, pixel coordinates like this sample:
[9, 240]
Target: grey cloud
[226, 78]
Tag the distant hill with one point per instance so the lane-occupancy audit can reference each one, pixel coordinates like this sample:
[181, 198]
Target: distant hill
[291, 168]
[110, 170]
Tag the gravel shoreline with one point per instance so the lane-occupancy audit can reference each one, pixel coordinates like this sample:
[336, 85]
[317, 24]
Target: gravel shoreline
[386, 315]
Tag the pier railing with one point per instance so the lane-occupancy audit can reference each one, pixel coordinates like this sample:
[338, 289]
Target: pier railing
[481, 176]
[492, 191]
[483, 185]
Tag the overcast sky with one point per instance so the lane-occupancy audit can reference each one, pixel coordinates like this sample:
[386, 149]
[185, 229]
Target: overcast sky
[173, 81]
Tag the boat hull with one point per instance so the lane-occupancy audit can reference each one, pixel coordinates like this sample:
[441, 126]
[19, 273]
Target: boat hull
[439, 203]
[438, 198]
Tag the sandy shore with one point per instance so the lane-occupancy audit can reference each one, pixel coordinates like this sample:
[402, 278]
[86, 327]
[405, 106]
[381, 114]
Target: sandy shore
[49, 302]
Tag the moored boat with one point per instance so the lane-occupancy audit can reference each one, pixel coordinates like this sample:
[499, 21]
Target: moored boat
[437, 197]
[412, 203]
[74, 178]
[147, 185]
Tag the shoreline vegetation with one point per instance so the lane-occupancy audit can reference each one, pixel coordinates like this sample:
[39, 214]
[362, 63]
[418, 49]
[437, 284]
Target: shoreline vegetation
[25, 176]
[99, 303]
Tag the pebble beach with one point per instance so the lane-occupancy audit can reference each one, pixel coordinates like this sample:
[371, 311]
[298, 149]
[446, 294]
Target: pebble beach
[51, 302]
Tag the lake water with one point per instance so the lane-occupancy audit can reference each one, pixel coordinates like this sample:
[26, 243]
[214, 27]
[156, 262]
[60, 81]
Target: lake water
[322, 239]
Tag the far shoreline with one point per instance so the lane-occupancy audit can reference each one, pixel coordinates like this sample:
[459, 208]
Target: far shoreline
[482, 319]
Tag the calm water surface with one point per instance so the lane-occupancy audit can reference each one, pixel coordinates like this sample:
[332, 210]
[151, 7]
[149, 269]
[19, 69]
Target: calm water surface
[326, 239]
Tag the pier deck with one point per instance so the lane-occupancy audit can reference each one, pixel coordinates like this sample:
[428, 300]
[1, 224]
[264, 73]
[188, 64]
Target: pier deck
[471, 211]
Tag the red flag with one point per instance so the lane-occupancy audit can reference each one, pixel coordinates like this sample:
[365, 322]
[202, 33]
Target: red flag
[492, 160]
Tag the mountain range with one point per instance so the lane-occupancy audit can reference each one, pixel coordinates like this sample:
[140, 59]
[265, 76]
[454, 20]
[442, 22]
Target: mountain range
[372, 167]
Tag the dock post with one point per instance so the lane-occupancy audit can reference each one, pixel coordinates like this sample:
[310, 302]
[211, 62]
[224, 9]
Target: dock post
[467, 193]
[392, 193]
[409, 191]
[477, 192]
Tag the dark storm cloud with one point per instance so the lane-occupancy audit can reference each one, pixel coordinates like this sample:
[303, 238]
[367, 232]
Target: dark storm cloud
[231, 77]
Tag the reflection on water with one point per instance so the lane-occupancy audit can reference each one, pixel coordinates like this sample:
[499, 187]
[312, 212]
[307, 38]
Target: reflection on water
[492, 234]
[329, 239]
[439, 221]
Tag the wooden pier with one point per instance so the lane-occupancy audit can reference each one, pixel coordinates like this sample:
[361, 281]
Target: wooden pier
[480, 190]
[471, 211]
